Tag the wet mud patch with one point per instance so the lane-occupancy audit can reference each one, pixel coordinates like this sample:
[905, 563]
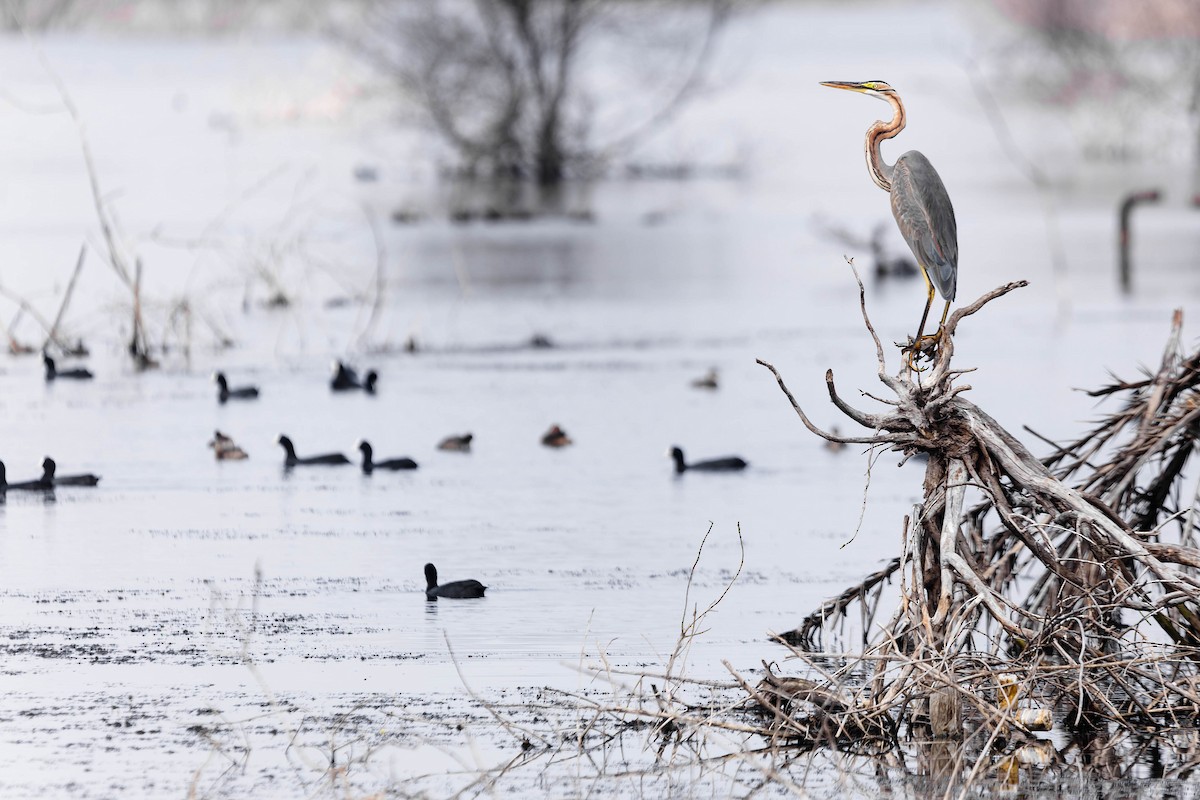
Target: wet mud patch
[193, 624]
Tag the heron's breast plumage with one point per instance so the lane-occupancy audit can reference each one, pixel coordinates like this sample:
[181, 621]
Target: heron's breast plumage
[925, 217]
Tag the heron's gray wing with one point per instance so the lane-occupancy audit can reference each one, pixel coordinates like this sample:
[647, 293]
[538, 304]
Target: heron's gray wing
[926, 219]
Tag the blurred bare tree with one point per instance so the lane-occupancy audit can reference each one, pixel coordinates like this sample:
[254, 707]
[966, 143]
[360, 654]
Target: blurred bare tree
[506, 84]
[213, 17]
[1128, 65]
[37, 15]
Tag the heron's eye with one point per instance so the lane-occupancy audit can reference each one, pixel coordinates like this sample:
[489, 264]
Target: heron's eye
[871, 85]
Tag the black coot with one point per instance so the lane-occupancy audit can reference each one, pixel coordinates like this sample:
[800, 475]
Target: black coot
[26, 485]
[369, 464]
[224, 393]
[454, 589]
[291, 460]
[51, 479]
[727, 464]
[346, 379]
[53, 373]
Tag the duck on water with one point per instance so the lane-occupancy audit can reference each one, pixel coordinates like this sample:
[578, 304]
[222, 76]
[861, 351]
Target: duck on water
[458, 590]
[34, 485]
[727, 464]
[226, 449]
[49, 478]
[290, 459]
[457, 444]
[369, 464]
[224, 393]
[711, 380]
[346, 379]
[54, 373]
[49, 468]
[556, 437]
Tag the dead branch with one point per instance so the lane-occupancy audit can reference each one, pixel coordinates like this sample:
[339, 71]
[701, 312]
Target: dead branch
[1082, 522]
[52, 334]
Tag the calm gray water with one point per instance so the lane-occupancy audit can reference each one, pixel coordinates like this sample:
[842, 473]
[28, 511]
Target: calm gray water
[134, 602]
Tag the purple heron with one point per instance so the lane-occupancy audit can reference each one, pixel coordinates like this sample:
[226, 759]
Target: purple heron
[919, 202]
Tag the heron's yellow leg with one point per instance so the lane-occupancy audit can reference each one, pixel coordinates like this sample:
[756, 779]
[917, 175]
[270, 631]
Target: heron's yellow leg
[928, 304]
[917, 348]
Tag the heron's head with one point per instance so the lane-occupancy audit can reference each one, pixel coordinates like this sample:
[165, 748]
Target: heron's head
[874, 88]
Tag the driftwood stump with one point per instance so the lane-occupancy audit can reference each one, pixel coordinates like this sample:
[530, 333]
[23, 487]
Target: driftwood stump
[1106, 608]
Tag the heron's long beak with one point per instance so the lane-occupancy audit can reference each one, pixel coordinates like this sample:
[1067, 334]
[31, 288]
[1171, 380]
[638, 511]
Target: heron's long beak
[849, 85]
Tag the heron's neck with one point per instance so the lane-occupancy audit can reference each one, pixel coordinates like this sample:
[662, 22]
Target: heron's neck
[881, 171]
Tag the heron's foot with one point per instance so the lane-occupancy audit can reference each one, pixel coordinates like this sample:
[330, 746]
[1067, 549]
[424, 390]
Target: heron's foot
[924, 348]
